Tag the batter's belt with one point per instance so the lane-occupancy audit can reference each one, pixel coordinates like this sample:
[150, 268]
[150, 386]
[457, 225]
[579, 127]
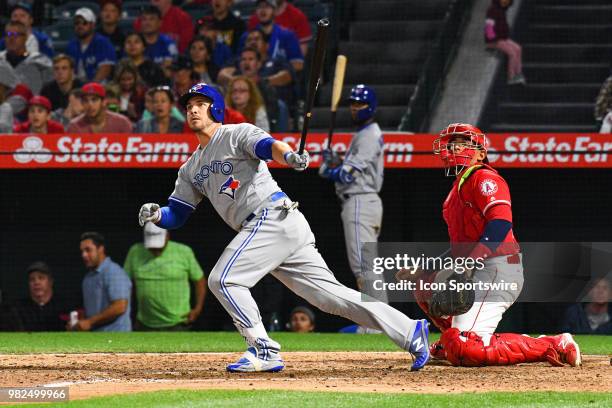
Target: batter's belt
[279, 195]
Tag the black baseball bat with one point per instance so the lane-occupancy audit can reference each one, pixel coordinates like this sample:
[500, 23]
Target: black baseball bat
[316, 67]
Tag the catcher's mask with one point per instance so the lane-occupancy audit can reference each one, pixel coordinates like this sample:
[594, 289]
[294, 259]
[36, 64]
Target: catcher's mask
[457, 145]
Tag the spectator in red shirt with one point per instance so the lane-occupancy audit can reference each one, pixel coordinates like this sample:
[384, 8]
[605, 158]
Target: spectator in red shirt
[39, 110]
[176, 23]
[229, 27]
[96, 118]
[291, 18]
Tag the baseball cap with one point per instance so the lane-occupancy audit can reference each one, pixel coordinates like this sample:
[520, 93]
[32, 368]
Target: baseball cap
[22, 5]
[94, 88]
[40, 101]
[306, 310]
[86, 14]
[39, 267]
[154, 236]
[272, 3]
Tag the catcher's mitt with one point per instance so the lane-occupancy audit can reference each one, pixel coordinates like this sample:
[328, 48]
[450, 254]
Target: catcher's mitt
[450, 302]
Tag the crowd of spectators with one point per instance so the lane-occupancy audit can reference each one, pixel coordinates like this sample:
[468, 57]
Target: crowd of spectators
[160, 286]
[113, 70]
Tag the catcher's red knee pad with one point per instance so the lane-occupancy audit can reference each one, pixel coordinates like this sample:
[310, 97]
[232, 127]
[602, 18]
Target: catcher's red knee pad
[467, 351]
[503, 349]
[437, 351]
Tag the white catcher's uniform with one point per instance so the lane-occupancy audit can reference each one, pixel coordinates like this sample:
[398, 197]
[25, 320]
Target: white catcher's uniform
[270, 239]
[362, 208]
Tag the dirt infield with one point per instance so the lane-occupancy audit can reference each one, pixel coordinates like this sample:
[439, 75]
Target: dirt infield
[90, 375]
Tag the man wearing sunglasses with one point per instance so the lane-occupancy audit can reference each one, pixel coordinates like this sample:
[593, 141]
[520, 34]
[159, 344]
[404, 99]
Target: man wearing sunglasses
[36, 41]
[33, 69]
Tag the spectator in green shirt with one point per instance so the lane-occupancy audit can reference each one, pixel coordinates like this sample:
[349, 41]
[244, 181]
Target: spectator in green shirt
[161, 270]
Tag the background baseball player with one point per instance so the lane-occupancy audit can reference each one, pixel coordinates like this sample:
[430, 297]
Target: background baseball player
[358, 180]
[479, 218]
[273, 236]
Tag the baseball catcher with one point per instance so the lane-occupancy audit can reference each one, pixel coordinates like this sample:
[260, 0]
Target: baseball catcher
[478, 214]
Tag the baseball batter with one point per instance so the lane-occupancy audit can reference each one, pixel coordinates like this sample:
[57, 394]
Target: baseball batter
[229, 168]
[358, 180]
[478, 214]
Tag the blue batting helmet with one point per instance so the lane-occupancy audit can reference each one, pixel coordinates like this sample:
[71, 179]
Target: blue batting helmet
[363, 93]
[217, 107]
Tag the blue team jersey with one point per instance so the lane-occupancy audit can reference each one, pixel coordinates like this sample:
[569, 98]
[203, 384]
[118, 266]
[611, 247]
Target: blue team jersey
[281, 44]
[45, 45]
[100, 51]
[222, 54]
[164, 49]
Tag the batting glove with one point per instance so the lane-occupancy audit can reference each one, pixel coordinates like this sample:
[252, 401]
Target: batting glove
[149, 212]
[297, 161]
[331, 158]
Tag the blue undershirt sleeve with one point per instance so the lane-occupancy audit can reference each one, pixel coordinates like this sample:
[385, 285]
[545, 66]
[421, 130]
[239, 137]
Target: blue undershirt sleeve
[263, 148]
[494, 233]
[174, 215]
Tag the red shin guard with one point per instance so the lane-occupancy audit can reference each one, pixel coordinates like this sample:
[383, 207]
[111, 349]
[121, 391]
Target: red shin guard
[504, 349]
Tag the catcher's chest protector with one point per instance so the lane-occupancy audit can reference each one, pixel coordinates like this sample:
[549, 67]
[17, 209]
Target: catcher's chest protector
[464, 220]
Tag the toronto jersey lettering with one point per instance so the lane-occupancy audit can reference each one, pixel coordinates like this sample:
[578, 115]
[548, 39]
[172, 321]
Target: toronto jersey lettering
[229, 173]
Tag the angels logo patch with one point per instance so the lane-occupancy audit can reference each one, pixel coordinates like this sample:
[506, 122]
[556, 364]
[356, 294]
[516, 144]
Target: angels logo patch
[488, 187]
[229, 187]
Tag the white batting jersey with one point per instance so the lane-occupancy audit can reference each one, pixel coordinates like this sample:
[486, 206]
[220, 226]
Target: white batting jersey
[228, 172]
[365, 159]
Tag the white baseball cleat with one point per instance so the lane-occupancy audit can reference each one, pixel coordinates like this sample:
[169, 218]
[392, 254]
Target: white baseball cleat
[250, 363]
[566, 346]
[569, 350]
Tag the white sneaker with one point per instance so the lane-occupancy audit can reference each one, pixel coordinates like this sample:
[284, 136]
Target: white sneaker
[250, 363]
[518, 79]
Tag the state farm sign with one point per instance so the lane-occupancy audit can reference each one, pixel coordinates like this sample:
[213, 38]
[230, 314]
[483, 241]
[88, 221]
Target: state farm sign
[559, 149]
[401, 150]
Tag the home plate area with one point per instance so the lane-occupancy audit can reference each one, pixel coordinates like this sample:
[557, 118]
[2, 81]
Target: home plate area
[89, 375]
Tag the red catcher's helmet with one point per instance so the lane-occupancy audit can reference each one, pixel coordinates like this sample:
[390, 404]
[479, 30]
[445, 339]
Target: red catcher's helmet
[457, 145]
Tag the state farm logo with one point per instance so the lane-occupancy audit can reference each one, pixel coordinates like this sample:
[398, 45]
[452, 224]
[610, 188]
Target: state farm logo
[32, 150]
[558, 150]
[69, 149]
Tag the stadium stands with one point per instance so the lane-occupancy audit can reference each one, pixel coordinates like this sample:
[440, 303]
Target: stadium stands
[566, 56]
[66, 11]
[387, 44]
